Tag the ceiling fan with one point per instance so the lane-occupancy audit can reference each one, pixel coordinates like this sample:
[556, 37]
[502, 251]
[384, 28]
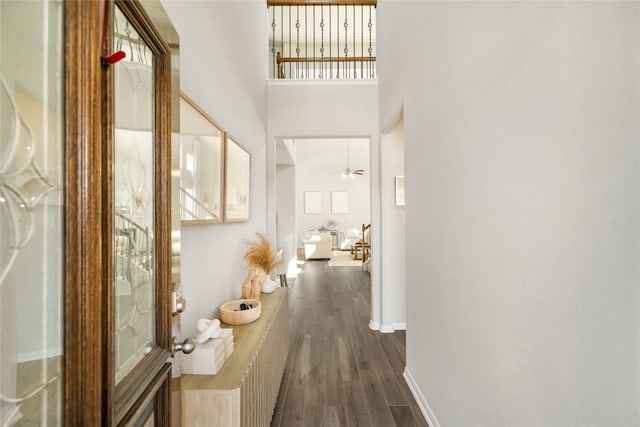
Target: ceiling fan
[348, 172]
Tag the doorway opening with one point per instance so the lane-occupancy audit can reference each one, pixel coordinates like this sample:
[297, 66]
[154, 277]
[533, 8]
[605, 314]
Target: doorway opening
[323, 188]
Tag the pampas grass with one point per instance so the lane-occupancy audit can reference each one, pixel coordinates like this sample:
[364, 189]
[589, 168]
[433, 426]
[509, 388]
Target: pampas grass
[259, 254]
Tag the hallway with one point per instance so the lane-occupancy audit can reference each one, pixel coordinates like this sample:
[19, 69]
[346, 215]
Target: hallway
[339, 372]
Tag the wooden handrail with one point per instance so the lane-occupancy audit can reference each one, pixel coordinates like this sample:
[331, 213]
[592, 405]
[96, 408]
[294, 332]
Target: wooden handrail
[281, 59]
[373, 3]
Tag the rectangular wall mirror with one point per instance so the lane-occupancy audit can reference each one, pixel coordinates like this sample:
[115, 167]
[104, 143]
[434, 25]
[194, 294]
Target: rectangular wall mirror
[237, 183]
[201, 165]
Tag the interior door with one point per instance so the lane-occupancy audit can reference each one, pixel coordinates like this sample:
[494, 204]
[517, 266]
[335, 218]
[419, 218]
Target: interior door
[137, 226]
[32, 209]
[85, 254]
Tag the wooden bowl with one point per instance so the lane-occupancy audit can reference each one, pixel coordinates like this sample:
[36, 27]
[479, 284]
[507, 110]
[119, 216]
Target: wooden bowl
[231, 314]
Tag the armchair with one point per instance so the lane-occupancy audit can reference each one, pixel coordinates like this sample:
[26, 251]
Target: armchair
[317, 246]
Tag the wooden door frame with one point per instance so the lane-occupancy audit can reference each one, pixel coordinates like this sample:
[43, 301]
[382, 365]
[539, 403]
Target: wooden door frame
[83, 344]
[127, 400]
[90, 396]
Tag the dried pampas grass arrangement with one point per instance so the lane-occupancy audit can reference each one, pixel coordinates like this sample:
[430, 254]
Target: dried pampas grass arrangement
[259, 254]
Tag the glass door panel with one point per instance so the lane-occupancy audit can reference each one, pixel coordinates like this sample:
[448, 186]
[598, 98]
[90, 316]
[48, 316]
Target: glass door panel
[31, 213]
[133, 199]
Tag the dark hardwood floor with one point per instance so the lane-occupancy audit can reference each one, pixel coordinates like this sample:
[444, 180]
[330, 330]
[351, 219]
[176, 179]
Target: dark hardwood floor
[339, 372]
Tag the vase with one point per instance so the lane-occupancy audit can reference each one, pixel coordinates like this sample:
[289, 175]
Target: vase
[268, 285]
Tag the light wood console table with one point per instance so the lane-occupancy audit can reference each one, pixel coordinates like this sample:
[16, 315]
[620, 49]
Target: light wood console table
[244, 391]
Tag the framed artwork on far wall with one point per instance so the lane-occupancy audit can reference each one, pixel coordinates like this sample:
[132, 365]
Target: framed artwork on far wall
[312, 202]
[339, 202]
[399, 190]
[237, 194]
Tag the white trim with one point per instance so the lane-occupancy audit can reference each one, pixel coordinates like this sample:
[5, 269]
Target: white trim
[37, 355]
[399, 326]
[386, 328]
[420, 400]
[327, 82]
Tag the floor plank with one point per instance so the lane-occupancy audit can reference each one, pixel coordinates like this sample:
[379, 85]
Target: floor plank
[358, 412]
[394, 355]
[339, 372]
[402, 416]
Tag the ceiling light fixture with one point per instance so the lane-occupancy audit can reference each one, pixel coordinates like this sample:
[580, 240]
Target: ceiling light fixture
[348, 172]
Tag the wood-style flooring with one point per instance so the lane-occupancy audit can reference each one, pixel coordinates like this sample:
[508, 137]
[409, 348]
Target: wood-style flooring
[339, 372]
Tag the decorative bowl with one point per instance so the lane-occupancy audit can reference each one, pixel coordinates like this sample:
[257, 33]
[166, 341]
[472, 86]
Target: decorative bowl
[231, 314]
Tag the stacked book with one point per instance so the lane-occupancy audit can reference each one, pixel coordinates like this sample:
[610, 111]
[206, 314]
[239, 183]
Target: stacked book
[208, 358]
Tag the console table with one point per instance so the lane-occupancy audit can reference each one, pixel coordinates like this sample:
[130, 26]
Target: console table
[244, 391]
[339, 238]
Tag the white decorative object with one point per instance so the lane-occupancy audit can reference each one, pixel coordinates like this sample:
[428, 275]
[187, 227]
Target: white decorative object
[208, 358]
[268, 285]
[208, 329]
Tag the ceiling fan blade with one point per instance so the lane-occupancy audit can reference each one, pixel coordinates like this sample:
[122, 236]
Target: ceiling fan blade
[358, 171]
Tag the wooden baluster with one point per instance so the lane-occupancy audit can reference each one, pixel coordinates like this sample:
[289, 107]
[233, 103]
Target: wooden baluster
[280, 66]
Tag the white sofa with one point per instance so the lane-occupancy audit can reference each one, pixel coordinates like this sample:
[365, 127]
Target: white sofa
[317, 246]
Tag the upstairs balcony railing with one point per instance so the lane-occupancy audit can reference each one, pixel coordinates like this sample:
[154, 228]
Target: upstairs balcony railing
[193, 209]
[322, 39]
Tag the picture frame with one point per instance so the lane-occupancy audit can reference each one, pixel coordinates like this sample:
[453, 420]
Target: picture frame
[201, 165]
[312, 202]
[399, 181]
[339, 202]
[237, 192]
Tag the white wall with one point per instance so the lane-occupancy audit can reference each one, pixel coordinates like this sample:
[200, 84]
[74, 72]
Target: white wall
[393, 232]
[320, 163]
[223, 58]
[328, 109]
[286, 212]
[521, 159]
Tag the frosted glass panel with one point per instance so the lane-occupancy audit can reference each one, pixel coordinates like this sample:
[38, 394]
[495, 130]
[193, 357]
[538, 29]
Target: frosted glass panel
[134, 199]
[31, 213]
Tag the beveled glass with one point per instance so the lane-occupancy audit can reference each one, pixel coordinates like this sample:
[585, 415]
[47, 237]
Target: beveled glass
[133, 199]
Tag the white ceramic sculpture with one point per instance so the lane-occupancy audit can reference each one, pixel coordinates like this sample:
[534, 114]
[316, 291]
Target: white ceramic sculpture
[208, 329]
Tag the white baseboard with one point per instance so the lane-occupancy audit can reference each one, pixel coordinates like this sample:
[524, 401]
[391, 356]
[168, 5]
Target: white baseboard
[386, 329]
[420, 400]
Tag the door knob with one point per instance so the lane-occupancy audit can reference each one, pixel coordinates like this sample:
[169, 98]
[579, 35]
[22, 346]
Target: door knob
[186, 346]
